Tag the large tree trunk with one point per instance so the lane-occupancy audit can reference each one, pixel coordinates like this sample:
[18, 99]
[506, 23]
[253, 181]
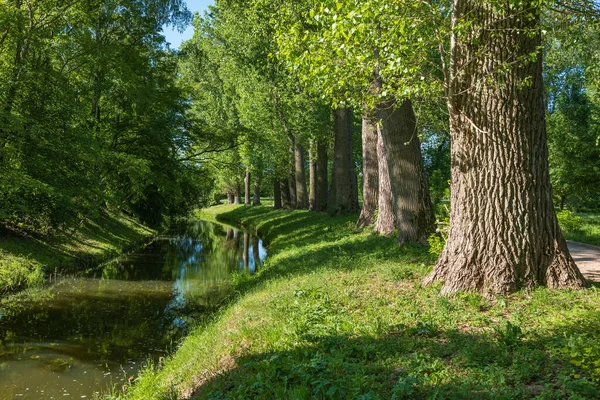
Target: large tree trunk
[229, 197]
[412, 203]
[285, 194]
[343, 181]
[276, 195]
[257, 182]
[370, 171]
[386, 220]
[503, 233]
[301, 191]
[312, 177]
[321, 176]
[247, 187]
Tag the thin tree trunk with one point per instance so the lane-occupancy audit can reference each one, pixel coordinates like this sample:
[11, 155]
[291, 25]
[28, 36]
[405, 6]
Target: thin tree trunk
[301, 191]
[247, 187]
[257, 183]
[321, 176]
[312, 173]
[412, 203]
[386, 220]
[276, 195]
[285, 194]
[343, 181]
[503, 234]
[237, 198]
[370, 171]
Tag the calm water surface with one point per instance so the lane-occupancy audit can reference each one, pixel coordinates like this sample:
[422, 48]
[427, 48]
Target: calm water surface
[89, 334]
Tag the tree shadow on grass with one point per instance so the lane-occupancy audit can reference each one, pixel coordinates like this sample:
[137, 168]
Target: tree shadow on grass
[417, 362]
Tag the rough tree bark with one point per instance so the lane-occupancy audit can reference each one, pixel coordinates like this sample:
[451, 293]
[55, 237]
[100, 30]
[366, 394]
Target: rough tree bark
[343, 179]
[321, 176]
[312, 178]
[257, 183]
[301, 190]
[370, 171]
[285, 194]
[247, 187]
[412, 203]
[229, 197]
[503, 233]
[386, 220]
[277, 195]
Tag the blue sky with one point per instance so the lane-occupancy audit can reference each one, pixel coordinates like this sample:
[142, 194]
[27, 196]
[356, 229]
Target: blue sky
[174, 37]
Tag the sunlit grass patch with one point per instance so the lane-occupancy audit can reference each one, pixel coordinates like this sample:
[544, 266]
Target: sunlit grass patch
[341, 313]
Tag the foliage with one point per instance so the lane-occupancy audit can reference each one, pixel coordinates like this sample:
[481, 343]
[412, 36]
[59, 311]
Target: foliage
[585, 353]
[587, 228]
[91, 114]
[569, 221]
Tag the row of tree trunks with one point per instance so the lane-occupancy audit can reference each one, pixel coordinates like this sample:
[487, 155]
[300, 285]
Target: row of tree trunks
[343, 190]
[370, 171]
[412, 204]
[503, 233]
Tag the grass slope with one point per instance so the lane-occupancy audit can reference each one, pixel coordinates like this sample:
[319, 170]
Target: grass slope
[27, 259]
[338, 313]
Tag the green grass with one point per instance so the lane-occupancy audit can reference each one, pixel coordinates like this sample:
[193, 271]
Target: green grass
[26, 259]
[584, 229]
[338, 313]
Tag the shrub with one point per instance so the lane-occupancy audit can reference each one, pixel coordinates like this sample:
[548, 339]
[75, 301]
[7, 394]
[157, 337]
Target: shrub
[569, 222]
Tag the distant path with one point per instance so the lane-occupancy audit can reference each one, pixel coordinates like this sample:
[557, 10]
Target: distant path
[587, 258]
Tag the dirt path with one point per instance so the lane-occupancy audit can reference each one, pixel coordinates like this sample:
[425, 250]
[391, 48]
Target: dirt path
[587, 258]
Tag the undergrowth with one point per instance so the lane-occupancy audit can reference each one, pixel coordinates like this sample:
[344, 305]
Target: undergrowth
[338, 313]
[583, 228]
[28, 258]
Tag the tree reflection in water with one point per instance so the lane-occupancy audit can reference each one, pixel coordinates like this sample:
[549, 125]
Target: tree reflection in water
[86, 332]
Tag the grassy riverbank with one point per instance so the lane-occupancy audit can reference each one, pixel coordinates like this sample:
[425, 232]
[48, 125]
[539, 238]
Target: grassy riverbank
[340, 313]
[27, 258]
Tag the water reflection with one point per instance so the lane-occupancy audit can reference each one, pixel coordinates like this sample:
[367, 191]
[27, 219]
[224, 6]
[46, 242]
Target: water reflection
[86, 333]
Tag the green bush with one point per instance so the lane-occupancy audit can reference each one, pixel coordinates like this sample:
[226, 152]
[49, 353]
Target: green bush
[17, 273]
[437, 240]
[570, 222]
